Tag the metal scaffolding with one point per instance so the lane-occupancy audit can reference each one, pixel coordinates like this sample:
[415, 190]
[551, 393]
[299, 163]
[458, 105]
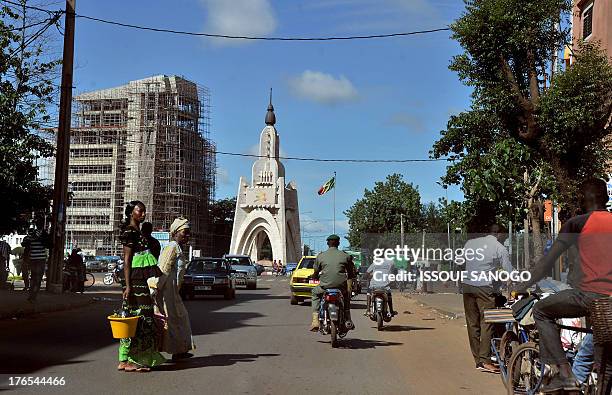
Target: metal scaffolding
[148, 140]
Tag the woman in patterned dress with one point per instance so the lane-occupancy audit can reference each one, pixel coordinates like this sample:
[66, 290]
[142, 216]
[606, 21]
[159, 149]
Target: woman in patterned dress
[139, 353]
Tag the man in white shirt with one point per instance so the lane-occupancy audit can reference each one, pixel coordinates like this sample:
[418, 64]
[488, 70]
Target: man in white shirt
[380, 280]
[479, 293]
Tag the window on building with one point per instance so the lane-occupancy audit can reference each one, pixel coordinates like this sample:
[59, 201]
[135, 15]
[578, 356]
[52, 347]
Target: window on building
[91, 203]
[95, 186]
[587, 21]
[91, 169]
[89, 220]
[91, 152]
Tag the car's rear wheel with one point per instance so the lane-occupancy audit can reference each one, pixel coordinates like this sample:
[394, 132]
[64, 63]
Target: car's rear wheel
[294, 300]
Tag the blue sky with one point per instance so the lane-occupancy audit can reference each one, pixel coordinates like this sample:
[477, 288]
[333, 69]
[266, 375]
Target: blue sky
[385, 98]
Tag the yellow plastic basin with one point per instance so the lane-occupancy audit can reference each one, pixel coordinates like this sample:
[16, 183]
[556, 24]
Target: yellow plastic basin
[123, 327]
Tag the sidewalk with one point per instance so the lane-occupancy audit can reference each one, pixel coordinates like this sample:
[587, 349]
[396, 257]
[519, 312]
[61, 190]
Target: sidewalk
[448, 304]
[15, 303]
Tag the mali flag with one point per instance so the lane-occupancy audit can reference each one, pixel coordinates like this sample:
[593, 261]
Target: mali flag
[327, 186]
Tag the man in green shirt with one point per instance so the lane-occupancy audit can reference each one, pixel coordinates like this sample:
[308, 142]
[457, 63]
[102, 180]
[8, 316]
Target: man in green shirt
[333, 268]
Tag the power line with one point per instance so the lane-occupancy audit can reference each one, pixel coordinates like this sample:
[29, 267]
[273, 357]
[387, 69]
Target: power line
[227, 36]
[211, 35]
[108, 139]
[334, 160]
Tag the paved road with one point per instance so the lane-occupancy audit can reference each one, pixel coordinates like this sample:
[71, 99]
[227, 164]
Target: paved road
[256, 344]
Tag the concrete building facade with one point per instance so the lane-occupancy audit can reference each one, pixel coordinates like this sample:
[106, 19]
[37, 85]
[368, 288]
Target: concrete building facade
[592, 21]
[147, 140]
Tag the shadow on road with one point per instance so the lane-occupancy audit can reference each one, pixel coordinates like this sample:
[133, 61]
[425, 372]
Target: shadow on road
[363, 344]
[404, 328]
[212, 360]
[39, 341]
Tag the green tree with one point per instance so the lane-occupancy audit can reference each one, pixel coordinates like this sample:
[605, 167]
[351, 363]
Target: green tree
[380, 209]
[522, 139]
[26, 90]
[508, 47]
[221, 214]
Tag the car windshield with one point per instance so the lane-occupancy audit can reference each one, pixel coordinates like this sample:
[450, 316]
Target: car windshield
[240, 261]
[307, 263]
[207, 266]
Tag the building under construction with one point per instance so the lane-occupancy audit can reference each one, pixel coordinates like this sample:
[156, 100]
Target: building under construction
[147, 140]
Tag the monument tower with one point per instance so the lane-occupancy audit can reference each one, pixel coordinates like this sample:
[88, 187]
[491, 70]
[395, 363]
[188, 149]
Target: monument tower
[267, 208]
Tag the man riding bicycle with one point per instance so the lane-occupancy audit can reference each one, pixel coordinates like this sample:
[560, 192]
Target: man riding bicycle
[591, 233]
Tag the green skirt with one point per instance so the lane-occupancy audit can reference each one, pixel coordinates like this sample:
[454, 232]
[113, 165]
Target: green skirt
[142, 348]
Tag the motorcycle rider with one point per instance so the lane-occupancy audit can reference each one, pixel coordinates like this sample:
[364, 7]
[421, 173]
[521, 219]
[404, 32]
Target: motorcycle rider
[333, 268]
[379, 279]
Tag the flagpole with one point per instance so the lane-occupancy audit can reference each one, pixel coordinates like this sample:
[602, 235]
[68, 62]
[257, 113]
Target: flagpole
[334, 203]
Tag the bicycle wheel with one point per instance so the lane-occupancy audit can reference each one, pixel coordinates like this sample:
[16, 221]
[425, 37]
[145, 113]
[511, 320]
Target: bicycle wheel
[509, 341]
[89, 280]
[525, 370]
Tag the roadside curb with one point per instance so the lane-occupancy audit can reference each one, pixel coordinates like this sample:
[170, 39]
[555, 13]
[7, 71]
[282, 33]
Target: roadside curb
[28, 309]
[448, 314]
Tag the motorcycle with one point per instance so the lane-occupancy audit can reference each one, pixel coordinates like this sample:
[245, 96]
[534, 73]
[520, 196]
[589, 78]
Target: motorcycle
[116, 275]
[332, 320]
[379, 310]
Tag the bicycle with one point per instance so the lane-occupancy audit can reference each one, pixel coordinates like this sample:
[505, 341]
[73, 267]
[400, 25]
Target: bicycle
[526, 371]
[90, 280]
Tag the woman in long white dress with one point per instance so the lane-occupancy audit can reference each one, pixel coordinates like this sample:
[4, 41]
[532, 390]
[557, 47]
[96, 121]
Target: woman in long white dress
[176, 335]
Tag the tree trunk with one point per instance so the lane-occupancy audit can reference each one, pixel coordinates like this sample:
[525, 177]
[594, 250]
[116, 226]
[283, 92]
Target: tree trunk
[535, 213]
[527, 261]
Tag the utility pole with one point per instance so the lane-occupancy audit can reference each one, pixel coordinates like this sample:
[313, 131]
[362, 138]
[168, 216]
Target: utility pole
[60, 186]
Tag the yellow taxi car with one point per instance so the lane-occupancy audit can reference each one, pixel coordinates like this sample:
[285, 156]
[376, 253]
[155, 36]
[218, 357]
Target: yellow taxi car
[301, 283]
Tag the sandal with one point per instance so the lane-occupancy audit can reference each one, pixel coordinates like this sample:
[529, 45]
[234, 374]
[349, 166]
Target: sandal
[130, 367]
[122, 365]
[143, 369]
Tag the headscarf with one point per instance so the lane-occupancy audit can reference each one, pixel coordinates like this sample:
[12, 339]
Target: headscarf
[178, 225]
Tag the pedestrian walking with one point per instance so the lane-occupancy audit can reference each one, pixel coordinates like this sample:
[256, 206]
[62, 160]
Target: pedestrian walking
[77, 269]
[139, 353]
[36, 244]
[5, 254]
[479, 295]
[176, 337]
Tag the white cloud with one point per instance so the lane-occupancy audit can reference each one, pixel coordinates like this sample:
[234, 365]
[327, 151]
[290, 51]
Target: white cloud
[414, 123]
[311, 225]
[323, 88]
[381, 15]
[223, 177]
[239, 18]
